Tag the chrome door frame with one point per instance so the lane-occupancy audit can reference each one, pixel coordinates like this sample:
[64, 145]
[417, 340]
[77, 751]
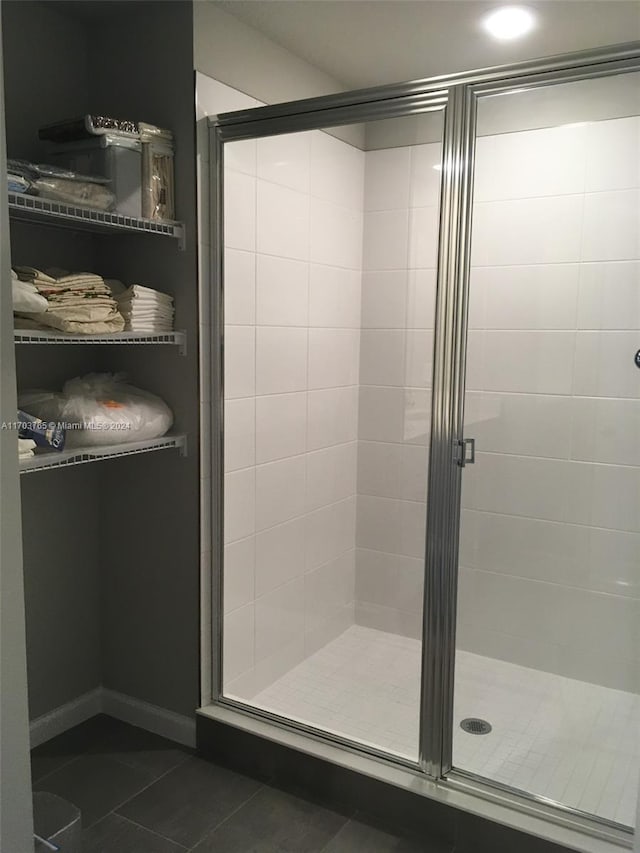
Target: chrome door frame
[458, 94]
[332, 111]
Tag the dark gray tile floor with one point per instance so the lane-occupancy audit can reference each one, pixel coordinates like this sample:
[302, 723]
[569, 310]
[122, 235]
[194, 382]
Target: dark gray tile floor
[140, 793]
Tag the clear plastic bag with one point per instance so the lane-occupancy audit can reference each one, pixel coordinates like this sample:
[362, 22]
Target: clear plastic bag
[75, 192]
[101, 409]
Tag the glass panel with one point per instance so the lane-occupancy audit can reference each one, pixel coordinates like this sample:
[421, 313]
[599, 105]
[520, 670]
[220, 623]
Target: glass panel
[330, 256]
[549, 588]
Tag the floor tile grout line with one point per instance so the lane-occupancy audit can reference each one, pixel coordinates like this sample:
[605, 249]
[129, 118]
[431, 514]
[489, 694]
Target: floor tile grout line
[147, 829]
[337, 833]
[56, 769]
[217, 826]
[148, 785]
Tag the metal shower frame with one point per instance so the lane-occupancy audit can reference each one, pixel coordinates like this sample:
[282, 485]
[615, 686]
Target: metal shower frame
[458, 96]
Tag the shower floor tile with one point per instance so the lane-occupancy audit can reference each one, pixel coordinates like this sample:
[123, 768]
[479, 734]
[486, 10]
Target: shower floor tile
[574, 742]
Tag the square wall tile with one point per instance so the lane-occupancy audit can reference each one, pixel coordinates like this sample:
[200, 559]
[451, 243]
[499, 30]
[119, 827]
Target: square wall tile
[494, 484]
[282, 291]
[521, 424]
[336, 235]
[238, 642]
[604, 365]
[329, 591]
[421, 299]
[604, 496]
[555, 160]
[527, 547]
[423, 237]
[382, 357]
[279, 618]
[239, 504]
[527, 231]
[382, 414]
[333, 358]
[239, 570]
[280, 491]
[239, 211]
[390, 580]
[285, 160]
[392, 470]
[612, 154]
[611, 227]
[541, 297]
[239, 362]
[239, 287]
[337, 171]
[280, 555]
[392, 526]
[240, 155]
[609, 296]
[384, 299]
[418, 369]
[386, 179]
[281, 357]
[330, 532]
[332, 417]
[280, 426]
[282, 222]
[426, 174]
[331, 475]
[239, 433]
[386, 240]
[533, 362]
[612, 562]
[605, 430]
[334, 297]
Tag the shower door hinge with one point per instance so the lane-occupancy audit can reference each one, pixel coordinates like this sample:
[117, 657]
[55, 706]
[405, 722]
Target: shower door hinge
[462, 458]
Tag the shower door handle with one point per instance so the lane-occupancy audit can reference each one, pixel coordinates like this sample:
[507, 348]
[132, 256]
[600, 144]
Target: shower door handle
[462, 458]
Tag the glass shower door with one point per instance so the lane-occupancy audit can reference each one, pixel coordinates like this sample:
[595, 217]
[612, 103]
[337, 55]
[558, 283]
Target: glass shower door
[329, 288]
[548, 627]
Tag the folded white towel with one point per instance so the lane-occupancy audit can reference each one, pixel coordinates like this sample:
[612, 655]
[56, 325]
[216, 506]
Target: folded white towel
[25, 448]
[26, 299]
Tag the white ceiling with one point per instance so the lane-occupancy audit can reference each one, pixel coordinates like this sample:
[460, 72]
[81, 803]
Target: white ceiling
[371, 42]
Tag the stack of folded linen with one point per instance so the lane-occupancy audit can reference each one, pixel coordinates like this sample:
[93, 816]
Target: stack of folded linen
[25, 448]
[145, 310]
[77, 303]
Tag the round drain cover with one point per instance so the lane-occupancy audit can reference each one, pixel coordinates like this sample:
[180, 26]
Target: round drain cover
[475, 726]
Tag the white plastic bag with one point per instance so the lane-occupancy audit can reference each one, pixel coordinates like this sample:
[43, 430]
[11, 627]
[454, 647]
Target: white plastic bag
[101, 409]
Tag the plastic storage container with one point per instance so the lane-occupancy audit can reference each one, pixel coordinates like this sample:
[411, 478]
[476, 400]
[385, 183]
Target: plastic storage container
[118, 158]
[56, 824]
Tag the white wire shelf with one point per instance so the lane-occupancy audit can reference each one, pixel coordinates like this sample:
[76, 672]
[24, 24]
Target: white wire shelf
[29, 208]
[81, 455]
[29, 336]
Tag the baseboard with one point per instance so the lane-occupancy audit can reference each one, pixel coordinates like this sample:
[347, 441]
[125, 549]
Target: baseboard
[168, 724]
[65, 717]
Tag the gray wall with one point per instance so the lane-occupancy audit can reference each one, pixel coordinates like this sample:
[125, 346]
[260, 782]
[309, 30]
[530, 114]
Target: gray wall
[150, 567]
[234, 53]
[16, 822]
[240, 56]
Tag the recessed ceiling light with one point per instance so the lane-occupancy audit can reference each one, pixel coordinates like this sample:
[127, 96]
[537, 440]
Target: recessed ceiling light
[509, 22]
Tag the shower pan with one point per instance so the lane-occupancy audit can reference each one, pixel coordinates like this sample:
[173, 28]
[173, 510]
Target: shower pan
[425, 409]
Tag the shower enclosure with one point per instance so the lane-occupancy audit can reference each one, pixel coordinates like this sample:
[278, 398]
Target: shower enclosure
[426, 427]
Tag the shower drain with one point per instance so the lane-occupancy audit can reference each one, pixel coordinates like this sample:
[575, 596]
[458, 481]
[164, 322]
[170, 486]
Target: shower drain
[475, 726]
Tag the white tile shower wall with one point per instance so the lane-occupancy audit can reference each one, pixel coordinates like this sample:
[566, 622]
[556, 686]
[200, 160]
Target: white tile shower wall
[293, 249]
[396, 346]
[550, 542]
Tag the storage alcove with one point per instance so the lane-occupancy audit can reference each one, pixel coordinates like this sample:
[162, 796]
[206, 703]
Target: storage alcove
[111, 548]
